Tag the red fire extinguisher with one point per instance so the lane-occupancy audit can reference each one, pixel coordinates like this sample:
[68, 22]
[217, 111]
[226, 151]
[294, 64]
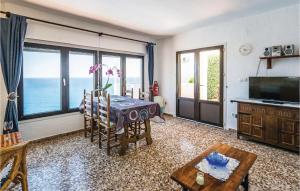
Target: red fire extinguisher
[155, 88]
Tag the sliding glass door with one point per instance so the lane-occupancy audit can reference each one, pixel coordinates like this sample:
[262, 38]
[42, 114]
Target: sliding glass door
[199, 85]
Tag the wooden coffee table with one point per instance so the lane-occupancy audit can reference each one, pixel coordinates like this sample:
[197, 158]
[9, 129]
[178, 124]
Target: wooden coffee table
[186, 175]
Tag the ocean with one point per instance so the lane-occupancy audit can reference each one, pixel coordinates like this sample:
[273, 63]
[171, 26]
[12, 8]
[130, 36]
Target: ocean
[44, 94]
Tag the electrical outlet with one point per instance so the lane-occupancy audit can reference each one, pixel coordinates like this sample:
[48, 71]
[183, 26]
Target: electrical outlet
[234, 115]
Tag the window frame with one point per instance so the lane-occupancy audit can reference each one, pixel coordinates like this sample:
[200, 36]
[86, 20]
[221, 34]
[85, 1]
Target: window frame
[67, 96]
[123, 57]
[64, 66]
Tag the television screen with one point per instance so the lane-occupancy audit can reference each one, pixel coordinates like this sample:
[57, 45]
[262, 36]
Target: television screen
[274, 88]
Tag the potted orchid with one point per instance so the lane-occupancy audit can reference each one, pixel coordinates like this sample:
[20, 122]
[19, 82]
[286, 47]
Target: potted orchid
[109, 73]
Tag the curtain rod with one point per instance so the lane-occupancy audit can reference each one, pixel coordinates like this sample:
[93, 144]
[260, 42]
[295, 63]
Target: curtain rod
[81, 29]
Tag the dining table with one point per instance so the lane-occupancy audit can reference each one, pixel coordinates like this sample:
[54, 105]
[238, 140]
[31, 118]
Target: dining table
[125, 111]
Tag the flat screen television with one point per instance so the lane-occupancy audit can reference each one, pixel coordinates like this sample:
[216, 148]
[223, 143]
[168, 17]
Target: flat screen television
[284, 89]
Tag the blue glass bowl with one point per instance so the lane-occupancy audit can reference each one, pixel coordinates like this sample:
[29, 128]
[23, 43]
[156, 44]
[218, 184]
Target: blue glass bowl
[217, 160]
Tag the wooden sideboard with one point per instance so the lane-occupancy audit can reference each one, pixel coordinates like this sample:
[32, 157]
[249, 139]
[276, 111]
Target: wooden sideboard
[275, 125]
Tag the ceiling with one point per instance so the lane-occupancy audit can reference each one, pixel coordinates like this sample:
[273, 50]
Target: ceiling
[160, 17]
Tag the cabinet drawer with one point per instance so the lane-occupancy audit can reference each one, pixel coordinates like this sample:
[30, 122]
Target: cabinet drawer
[288, 126]
[287, 139]
[245, 129]
[257, 120]
[259, 109]
[257, 132]
[288, 113]
[245, 108]
[245, 118]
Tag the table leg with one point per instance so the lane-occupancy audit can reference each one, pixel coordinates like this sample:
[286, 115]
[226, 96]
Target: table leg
[245, 182]
[148, 132]
[124, 141]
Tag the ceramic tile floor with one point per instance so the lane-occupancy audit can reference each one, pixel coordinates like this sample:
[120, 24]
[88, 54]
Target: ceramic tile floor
[74, 163]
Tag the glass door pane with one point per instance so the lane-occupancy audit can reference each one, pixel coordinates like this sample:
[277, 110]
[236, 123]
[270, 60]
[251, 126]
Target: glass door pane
[41, 81]
[209, 78]
[79, 77]
[134, 75]
[187, 79]
[114, 63]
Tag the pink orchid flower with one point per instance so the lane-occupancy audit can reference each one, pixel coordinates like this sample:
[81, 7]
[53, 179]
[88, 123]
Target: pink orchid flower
[110, 72]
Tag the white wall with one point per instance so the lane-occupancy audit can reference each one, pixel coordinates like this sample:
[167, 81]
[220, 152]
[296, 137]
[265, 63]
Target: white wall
[277, 27]
[48, 126]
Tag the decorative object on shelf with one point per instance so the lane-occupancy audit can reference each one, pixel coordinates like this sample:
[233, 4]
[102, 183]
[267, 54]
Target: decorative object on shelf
[220, 170]
[217, 160]
[200, 178]
[109, 72]
[276, 50]
[289, 50]
[268, 51]
[245, 49]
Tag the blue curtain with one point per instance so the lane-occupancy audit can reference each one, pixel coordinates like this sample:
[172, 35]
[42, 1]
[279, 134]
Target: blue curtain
[150, 63]
[12, 32]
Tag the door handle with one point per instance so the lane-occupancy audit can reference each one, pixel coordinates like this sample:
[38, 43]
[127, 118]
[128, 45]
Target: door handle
[64, 81]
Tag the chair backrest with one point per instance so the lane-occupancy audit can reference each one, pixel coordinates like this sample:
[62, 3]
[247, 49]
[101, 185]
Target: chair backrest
[143, 95]
[103, 109]
[129, 93]
[88, 103]
[16, 154]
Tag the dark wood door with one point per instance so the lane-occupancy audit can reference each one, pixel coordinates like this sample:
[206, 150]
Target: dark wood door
[200, 85]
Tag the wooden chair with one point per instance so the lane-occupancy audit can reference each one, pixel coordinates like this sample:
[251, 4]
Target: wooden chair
[18, 171]
[129, 93]
[107, 129]
[90, 124]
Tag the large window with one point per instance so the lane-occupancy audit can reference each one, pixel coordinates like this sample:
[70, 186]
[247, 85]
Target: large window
[54, 77]
[41, 80]
[53, 80]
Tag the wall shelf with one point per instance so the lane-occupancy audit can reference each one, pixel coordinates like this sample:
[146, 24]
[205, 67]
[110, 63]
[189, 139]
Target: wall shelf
[270, 58]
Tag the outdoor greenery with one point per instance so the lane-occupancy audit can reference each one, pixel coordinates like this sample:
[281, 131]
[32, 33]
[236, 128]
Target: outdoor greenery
[191, 80]
[213, 78]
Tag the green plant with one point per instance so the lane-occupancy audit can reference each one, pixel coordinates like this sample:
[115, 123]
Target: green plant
[213, 78]
[191, 80]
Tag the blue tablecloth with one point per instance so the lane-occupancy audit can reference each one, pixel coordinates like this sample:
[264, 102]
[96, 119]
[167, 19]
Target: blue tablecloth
[124, 110]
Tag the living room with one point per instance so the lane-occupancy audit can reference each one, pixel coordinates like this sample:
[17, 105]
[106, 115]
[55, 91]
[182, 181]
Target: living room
[183, 79]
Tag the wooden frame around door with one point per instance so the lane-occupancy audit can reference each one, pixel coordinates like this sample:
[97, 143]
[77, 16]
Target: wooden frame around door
[196, 101]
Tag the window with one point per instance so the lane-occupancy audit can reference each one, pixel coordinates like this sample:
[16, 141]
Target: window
[134, 75]
[79, 77]
[54, 77]
[187, 80]
[110, 62]
[41, 81]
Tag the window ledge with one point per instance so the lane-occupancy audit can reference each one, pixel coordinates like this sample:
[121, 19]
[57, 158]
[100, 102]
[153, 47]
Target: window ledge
[49, 117]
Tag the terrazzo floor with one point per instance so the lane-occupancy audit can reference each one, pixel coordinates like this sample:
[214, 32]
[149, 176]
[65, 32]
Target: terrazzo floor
[74, 163]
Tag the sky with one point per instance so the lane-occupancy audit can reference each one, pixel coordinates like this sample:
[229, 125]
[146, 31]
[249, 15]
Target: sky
[47, 65]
